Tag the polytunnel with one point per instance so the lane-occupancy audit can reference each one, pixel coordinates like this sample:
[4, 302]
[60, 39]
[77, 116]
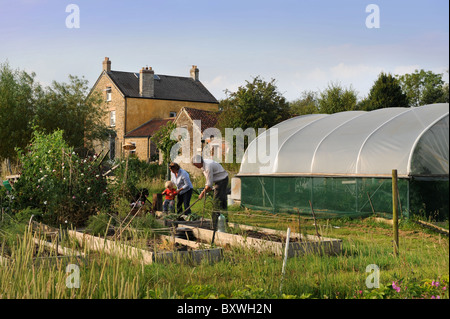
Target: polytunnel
[341, 164]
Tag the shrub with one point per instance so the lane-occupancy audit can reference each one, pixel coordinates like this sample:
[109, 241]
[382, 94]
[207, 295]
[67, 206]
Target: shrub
[127, 184]
[97, 224]
[54, 179]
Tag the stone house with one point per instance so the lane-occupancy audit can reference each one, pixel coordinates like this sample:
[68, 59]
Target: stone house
[196, 121]
[140, 137]
[204, 137]
[138, 103]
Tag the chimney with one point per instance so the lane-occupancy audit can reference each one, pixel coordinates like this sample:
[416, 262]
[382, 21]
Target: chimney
[146, 82]
[106, 65]
[194, 73]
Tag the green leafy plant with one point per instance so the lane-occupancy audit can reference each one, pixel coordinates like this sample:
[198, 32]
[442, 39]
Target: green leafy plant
[66, 187]
[97, 224]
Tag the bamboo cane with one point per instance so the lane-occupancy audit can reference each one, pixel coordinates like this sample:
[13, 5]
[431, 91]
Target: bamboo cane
[314, 216]
[370, 201]
[286, 251]
[395, 210]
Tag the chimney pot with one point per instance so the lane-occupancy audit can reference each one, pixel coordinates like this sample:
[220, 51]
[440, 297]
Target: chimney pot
[146, 82]
[195, 73]
[106, 64]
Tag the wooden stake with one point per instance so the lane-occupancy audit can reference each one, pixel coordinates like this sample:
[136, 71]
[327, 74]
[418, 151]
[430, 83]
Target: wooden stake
[314, 216]
[299, 225]
[286, 251]
[203, 213]
[395, 210]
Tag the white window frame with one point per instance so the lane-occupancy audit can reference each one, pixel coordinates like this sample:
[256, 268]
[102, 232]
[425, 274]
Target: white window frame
[112, 118]
[108, 94]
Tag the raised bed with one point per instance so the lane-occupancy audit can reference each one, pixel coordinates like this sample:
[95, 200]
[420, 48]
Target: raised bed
[51, 241]
[269, 240]
[45, 252]
[194, 252]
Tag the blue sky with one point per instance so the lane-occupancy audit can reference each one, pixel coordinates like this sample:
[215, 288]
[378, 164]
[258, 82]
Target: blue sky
[303, 45]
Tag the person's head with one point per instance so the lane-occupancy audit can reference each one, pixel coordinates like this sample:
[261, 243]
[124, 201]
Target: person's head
[169, 185]
[174, 167]
[197, 160]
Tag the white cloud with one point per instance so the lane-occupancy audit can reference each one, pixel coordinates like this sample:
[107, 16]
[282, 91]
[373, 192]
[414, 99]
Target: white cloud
[403, 69]
[346, 71]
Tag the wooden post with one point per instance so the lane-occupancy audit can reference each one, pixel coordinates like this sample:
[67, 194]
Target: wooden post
[314, 216]
[286, 251]
[395, 210]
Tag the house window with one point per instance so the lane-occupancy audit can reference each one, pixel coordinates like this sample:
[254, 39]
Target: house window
[112, 147]
[133, 151]
[108, 94]
[112, 118]
[172, 114]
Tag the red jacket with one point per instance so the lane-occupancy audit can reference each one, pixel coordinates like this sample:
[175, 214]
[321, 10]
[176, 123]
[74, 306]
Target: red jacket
[170, 193]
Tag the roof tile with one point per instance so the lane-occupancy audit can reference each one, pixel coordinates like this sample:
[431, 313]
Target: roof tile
[148, 128]
[166, 87]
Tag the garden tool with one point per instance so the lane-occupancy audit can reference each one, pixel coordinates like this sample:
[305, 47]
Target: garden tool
[215, 217]
[188, 208]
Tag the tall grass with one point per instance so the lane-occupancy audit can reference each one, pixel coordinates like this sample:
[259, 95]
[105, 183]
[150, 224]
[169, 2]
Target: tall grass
[34, 272]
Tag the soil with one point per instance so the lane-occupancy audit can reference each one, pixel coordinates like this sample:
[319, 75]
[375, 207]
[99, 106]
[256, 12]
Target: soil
[257, 234]
[261, 235]
[160, 245]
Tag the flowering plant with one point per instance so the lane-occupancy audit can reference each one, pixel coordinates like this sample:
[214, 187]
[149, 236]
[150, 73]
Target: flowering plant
[65, 186]
[409, 289]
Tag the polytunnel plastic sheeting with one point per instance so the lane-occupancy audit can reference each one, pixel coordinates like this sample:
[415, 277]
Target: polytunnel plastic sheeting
[430, 156]
[253, 163]
[414, 141]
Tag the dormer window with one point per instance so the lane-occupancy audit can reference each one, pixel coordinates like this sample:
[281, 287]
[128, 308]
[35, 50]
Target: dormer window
[108, 94]
[172, 114]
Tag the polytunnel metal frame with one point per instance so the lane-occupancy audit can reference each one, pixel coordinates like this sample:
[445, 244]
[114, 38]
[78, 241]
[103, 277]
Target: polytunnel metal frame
[345, 178]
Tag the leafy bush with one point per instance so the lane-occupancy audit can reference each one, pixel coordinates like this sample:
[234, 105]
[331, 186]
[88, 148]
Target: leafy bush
[97, 224]
[24, 215]
[128, 179]
[66, 187]
[5, 198]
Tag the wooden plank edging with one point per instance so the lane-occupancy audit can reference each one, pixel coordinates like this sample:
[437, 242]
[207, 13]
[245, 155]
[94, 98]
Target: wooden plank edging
[111, 247]
[60, 249]
[147, 257]
[313, 244]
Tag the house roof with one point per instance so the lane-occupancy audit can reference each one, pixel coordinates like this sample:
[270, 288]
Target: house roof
[166, 87]
[148, 128]
[208, 118]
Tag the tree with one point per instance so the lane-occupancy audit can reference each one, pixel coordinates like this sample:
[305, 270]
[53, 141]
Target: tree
[423, 87]
[258, 104]
[164, 142]
[69, 107]
[17, 99]
[385, 92]
[335, 99]
[66, 188]
[307, 104]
